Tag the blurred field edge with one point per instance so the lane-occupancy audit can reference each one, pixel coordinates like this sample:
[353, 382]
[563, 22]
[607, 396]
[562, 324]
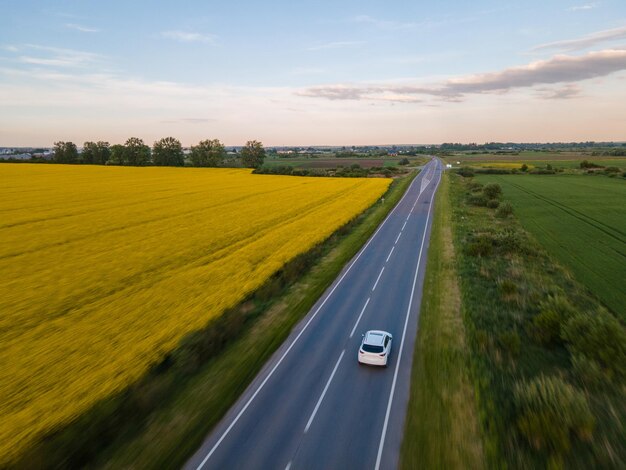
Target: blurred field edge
[441, 427]
[161, 419]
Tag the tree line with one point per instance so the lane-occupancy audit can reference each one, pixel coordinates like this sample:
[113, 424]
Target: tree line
[165, 152]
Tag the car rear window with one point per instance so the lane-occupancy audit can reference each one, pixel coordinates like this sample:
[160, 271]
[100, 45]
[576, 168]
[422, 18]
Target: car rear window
[372, 349]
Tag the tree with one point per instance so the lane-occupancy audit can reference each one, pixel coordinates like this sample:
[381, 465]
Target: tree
[65, 152]
[117, 155]
[96, 153]
[208, 153]
[253, 154]
[168, 152]
[136, 153]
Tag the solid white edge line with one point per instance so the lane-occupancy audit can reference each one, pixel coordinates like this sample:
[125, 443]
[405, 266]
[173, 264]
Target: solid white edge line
[378, 279]
[406, 323]
[360, 315]
[389, 255]
[223, 436]
[319, 402]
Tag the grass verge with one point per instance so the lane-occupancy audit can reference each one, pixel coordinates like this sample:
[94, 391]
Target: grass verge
[548, 361]
[161, 420]
[441, 428]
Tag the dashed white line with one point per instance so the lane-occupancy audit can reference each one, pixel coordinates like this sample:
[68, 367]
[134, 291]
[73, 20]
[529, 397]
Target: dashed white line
[389, 255]
[360, 315]
[278, 363]
[319, 402]
[378, 279]
[397, 238]
[403, 226]
[406, 322]
[288, 466]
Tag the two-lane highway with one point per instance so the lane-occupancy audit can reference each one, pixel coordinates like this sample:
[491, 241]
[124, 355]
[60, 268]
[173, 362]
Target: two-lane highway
[313, 406]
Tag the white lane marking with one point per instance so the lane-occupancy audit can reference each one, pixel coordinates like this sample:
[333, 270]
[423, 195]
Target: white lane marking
[406, 322]
[389, 255]
[408, 216]
[378, 279]
[397, 238]
[403, 226]
[360, 315]
[288, 466]
[319, 402]
[251, 399]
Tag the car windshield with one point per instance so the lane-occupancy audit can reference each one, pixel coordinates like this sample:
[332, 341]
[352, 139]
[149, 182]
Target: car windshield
[372, 349]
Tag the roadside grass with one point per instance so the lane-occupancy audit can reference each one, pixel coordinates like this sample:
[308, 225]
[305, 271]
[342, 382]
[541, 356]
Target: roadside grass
[548, 361]
[581, 221]
[170, 434]
[441, 428]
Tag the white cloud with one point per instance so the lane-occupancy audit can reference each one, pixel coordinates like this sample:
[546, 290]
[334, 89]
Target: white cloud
[335, 45]
[383, 24]
[55, 56]
[588, 6]
[184, 36]
[82, 29]
[558, 69]
[585, 42]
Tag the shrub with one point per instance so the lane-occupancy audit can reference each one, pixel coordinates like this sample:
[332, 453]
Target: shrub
[504, 210]
[477, 200]
[588, 371]
[600, 337]
[524, 167]
[492, 190]
[465, 171]
[493, 203]
[508, 287]
[509, 241]
[481, 245]
[612, 169]
[546, 326]
[551, 411]
[510, 342]
[587, 164]
[403, 161]
[474, 186]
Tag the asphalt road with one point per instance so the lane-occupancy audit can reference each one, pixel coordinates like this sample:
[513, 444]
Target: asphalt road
[313, 406]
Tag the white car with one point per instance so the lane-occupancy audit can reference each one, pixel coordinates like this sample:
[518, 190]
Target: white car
[375, 348]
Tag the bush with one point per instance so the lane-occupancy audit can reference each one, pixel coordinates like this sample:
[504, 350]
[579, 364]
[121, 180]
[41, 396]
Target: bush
[509, 241]
[550, 412]
[493, 203]
[589, 372]
[465, 171]
[612, 169]
[504, 210]
[474, 186]
[586, 164]
[482, 245]
[546, 326]
[600, 337]
[524, 167]
[492, 190]
[477, 200]
[403, 161]
[510, 342]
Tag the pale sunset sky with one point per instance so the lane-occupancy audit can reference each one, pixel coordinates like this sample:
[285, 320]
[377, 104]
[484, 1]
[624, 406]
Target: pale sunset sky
[305, 72]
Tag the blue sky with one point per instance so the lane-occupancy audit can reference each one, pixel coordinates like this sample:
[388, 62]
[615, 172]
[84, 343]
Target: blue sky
[289, 73]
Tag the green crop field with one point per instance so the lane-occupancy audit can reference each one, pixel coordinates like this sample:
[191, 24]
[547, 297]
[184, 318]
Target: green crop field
[581, 221]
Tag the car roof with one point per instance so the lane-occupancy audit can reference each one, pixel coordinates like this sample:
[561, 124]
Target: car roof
[375, 337]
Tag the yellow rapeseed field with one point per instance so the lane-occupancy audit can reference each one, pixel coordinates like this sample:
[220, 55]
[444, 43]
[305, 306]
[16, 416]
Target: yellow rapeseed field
[105, 269]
